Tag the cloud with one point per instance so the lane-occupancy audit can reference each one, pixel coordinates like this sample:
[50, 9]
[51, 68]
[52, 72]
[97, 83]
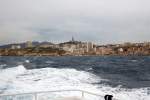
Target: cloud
[101, 21]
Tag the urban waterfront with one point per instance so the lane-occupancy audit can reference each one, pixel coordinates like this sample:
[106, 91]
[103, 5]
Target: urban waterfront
[74, 48]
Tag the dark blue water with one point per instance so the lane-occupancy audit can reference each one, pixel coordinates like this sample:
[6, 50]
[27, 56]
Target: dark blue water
[128, 72]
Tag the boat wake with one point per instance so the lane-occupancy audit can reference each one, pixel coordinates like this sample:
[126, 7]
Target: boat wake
[20, 80]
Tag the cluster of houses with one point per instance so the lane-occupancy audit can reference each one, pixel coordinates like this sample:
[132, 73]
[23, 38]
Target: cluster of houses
[71, 47]
[87, 48]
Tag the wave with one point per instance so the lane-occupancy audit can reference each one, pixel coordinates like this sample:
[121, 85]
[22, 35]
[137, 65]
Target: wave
[27, 61]
[2, 66]
[49, 62]
[20, 80]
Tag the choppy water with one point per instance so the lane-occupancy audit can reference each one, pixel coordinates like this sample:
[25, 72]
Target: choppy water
[127, 78]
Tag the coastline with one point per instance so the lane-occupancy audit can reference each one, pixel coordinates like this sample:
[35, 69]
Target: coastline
[80, 49]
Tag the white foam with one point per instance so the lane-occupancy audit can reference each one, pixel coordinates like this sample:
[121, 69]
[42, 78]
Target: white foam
[11, 72]
[49, 62]
[18, 79]
[133, 60]
[8, 77]
[27, 61]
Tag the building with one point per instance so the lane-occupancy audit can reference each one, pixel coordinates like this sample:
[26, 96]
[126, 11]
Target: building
[73, 39]
[68, 47]
[89, 46]
[104, 50]
[120, 50]
[29, 44]
[15, 47]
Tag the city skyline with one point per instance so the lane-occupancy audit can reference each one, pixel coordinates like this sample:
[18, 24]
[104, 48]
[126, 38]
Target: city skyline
[74, 48]
[98, 21]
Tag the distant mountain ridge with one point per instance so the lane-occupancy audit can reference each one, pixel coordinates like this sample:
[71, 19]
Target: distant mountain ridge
[23, 45]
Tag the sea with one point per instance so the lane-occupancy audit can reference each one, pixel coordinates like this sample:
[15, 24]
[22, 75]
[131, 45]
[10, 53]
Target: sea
[124, 77]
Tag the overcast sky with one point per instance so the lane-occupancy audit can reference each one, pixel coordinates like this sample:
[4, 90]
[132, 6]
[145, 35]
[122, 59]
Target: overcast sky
[100, 21]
